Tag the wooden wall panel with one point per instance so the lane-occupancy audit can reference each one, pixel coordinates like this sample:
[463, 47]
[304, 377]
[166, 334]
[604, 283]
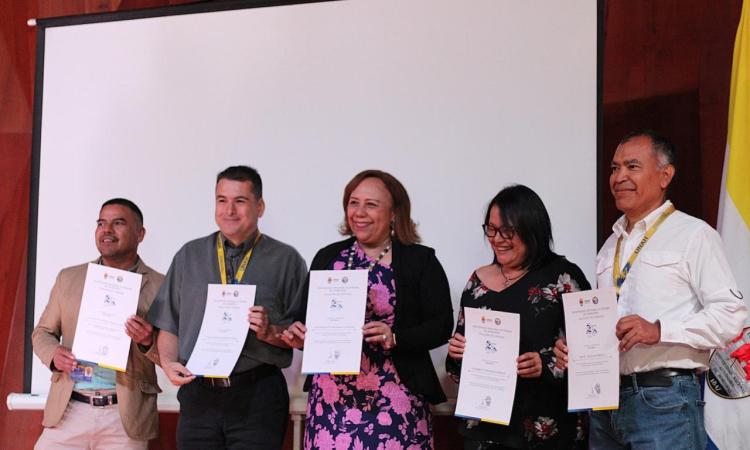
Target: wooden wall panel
[677, 116]
[666, 64]
[650, 48]
[714, 77]
[656, 50]
[16, 67]
[14, 186]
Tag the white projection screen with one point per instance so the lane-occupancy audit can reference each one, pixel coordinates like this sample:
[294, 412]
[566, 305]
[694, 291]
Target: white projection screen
[455, 98]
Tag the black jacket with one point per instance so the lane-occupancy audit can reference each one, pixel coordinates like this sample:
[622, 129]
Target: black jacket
[423, 316]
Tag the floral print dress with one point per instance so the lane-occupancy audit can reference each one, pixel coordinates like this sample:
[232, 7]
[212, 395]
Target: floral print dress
[372, 410]
[539, 419]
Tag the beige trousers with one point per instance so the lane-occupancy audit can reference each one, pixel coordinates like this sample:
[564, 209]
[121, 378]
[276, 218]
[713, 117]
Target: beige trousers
[86, 427]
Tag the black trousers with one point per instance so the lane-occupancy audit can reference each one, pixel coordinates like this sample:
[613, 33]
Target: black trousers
[248, 415]
[470, 444]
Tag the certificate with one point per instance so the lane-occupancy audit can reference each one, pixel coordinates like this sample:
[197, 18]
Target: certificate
[593, 358]
[335, 316]
[489, 367]
[110, 296]
[223, 330]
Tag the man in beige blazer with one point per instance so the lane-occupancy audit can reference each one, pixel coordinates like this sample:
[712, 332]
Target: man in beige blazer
[94, 407]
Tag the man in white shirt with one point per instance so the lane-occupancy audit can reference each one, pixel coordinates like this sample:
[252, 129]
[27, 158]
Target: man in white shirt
[677, 300]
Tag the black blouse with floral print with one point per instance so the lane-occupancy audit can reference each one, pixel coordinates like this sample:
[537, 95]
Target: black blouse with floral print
[539, 419]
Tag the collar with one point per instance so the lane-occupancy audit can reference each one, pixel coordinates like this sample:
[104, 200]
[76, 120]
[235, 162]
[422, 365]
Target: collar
[136, 268]
[620, 226]
[243, 247]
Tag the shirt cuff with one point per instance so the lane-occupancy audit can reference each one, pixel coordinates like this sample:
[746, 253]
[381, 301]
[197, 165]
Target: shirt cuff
[671, 332]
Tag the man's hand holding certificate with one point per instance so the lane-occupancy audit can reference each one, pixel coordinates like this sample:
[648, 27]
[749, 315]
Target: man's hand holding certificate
[110, 296]
[489, 367]
[593, 359]
[335, 316]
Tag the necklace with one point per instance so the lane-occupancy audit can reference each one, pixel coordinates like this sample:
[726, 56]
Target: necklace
[510, 280]
[372, 263]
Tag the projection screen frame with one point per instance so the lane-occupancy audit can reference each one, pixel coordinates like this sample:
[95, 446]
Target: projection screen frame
[194, 8]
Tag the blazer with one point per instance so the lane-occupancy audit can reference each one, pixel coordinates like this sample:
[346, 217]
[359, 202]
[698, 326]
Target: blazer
[423, 314]
[136, 388]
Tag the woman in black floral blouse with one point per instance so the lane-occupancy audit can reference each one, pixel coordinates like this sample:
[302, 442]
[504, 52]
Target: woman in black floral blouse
[525, 277]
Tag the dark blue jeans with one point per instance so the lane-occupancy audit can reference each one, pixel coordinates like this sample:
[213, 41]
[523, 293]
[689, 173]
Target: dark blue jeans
[251, 415]
[653, 418]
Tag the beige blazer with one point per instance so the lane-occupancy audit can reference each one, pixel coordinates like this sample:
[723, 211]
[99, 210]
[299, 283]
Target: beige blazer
[136, 389]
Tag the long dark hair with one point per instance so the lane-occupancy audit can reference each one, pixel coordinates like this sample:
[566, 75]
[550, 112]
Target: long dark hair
[521, 208]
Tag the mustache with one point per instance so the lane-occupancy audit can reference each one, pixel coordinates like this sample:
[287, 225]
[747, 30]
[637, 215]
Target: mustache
[623, 185]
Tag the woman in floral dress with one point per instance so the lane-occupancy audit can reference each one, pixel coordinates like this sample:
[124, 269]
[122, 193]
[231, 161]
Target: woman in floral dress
[525, 277]
[408, 312]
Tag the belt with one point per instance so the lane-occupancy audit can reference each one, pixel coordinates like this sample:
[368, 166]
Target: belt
[653, 378]
[99, 401]
[240, 379]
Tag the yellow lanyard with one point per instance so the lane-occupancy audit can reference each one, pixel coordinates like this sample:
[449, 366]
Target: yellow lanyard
[619, 275]
[223, 263]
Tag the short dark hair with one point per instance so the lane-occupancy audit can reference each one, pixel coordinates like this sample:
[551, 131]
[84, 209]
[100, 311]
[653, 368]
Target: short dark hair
[128, 204]
[521, 208]
[663, 147]
[243, 173]
[404, 228]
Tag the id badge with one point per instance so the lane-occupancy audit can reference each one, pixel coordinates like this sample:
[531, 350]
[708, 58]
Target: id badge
[82, 373]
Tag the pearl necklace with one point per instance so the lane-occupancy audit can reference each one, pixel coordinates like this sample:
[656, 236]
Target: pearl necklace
[353, 249]
[510, 280]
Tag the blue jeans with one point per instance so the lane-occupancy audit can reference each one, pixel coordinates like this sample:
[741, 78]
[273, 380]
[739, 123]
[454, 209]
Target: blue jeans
[653, 418]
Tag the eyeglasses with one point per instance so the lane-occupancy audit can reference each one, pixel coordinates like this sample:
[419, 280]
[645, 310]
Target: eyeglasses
[506, 232]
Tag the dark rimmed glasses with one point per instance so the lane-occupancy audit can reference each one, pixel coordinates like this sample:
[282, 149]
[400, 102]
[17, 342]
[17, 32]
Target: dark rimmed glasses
[505, 231]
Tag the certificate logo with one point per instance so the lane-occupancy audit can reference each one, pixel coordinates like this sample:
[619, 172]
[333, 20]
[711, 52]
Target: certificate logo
[580, 301]
[213, 363]
[595, 300]
[595, 392]
[109, 301]
[102, 350]
[109, 276]
[591, 330]
[489, 346]
[334, 355]
[226, 317]
[336, 280]
[487, 320]
[485, 402]
[335, 305]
